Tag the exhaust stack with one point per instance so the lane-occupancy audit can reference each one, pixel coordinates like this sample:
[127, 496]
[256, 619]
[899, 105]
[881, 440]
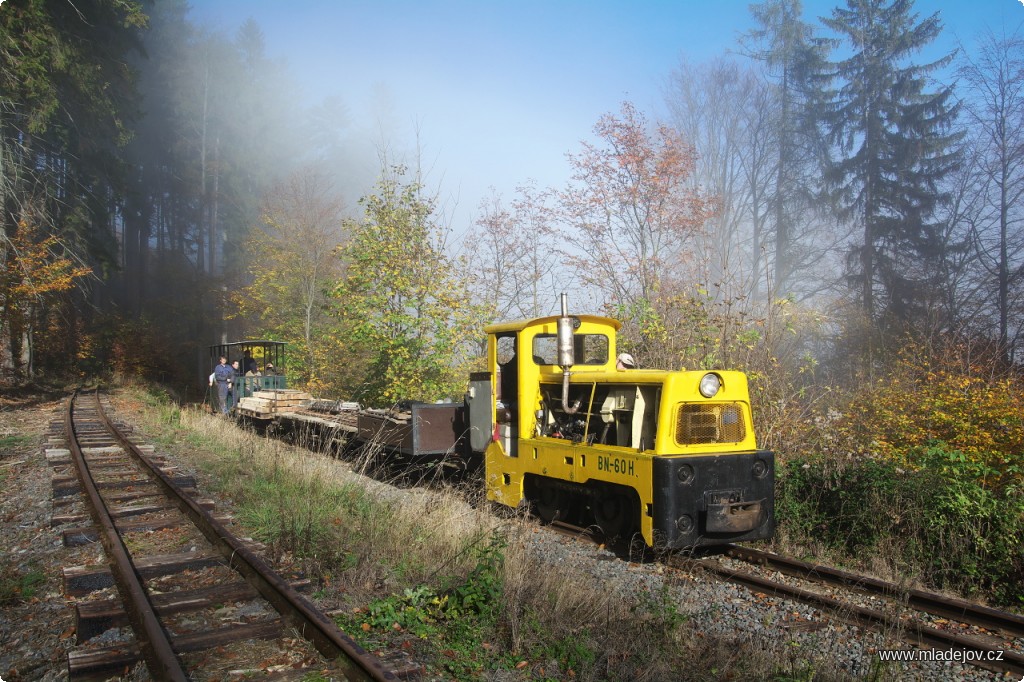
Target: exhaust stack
[566, 355]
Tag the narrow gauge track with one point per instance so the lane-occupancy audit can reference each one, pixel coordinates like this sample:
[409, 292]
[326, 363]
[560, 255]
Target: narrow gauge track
[1010, 624]
[996, 637]
[901, 616]
[122, 471]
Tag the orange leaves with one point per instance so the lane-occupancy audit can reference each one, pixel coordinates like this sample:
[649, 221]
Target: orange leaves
[629, 208]
[971, 409]
[33, 269]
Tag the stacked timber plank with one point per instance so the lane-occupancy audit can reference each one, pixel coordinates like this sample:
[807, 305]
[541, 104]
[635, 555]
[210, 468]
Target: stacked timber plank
[268, 404]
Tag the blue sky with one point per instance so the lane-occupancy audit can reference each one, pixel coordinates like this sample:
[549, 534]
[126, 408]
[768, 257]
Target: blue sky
[497, 91]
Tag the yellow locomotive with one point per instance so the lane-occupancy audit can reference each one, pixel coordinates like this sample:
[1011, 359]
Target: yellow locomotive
[669, 455]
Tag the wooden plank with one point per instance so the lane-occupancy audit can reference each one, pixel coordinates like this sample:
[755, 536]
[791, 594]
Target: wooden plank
[93, 618]
[126, 496]
[99, 664]
[283, 394]
[86, 535]
[341, 422]
[75, 537]
[93, 663]
[265, 404]
[81, 580]
[126, 511]
[256, 403]
[254, 414]
[210, 639]
[64, 485]
[265, 410]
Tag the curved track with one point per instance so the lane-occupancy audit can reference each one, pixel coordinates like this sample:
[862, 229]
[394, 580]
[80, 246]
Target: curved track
[106, 460]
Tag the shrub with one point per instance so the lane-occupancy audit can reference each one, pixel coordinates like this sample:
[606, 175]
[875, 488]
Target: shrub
[973, 409]
[706, 326]
[456, 622]
[939, 521]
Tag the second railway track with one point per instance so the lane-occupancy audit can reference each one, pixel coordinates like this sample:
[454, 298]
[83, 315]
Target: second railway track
[985, 637]
[175, 602]
[982, 636]
[925, 620]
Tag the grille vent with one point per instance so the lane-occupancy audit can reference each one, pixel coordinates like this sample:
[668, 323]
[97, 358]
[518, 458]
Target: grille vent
[703, 424]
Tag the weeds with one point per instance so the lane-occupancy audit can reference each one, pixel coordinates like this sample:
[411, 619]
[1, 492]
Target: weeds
[466, 592]
[17, 586]
[9, 443]
[458, 622]
[939, 521]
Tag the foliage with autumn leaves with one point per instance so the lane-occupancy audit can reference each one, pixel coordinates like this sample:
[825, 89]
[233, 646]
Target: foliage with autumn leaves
[373, 309]
[954, 395]
[292, 267]
[921, 469]
[403, 302]
[33, 270]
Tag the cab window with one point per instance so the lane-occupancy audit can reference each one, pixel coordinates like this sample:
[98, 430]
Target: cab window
[506, 349]
[589, 349]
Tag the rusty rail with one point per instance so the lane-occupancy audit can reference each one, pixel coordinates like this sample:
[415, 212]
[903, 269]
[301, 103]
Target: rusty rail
[323, 633]
[153, 640]
[923, 635]
[945, 607]
[914, 632]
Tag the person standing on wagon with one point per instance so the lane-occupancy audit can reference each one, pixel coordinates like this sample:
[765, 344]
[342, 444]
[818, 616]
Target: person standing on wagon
[223, 375]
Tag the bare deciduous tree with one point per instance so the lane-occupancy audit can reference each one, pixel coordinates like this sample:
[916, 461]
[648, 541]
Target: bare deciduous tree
[512, 256]
[727, 113]
[992, 78]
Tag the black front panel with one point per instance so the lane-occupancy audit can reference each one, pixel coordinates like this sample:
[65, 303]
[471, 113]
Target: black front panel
[730, 486]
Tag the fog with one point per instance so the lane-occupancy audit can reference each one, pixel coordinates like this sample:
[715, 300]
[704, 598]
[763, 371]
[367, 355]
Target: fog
[495, 94]
[486, 94]
[236, 100]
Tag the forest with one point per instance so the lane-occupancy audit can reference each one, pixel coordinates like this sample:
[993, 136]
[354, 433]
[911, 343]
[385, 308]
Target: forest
[822, 208]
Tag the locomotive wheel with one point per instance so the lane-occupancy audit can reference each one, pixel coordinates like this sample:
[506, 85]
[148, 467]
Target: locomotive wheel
[613, 514]
[550, 503]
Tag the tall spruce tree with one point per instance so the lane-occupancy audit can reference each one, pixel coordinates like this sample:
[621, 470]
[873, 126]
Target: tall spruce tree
[67, 99]
[794, 59]
[894, 148]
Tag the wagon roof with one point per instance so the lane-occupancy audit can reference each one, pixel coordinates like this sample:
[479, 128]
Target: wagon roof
[233, 344]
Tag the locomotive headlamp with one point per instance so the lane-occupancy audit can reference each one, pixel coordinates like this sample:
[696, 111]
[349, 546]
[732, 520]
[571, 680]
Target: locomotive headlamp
[709, 385]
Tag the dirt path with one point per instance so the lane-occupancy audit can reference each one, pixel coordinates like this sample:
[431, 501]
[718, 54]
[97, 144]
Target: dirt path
[36, 621]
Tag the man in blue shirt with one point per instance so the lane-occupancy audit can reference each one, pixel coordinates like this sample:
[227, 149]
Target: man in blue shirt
[223, 376]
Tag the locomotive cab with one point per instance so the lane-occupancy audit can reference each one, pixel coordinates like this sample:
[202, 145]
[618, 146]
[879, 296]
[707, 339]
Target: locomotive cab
[670, 455]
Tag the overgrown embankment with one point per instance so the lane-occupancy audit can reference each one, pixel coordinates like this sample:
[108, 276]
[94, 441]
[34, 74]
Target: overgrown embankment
[919, 475]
